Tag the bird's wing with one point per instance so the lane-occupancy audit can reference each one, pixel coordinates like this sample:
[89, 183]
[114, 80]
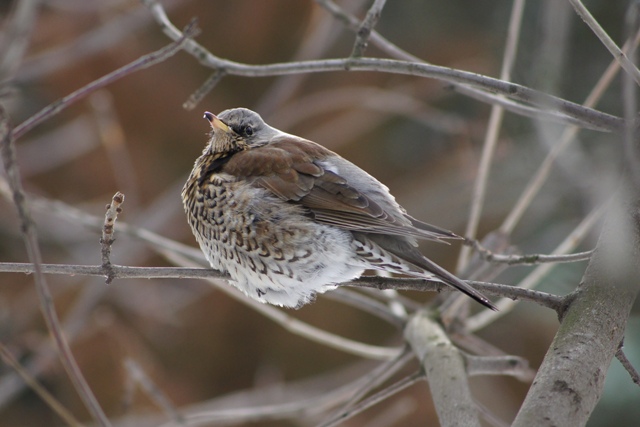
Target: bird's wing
[300, 171]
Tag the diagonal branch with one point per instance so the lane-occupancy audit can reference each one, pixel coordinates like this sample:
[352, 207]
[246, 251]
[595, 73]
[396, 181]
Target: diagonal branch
[444, 366]
[139, 64]
[571, 377]
[611, 46]
[588, 117]
[38, 388]
[7, 150]
[481, 181]
[364, 32]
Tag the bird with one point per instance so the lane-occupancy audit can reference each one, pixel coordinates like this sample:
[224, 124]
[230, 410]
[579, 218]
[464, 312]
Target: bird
[288, 219]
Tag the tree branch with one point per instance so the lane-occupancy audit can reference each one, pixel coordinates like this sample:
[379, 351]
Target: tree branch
[364, 32]
[376, 282]
[445, 369]
[570, 381]
[113, 209]
[633, 372]
[588, 117]
[139, 64]
[30, 237]
[611, 46]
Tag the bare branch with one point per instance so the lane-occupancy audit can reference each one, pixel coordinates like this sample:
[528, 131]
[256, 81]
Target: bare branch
[16, 36]
[203, 90]
[118, 271]
[633, 372]
[569, 243]
[515, 293]
[490, 256]
[37, 388]
[92, 222]
[353, 24]
[544, 101]
[364, 32]
[375, 282]
[491, 137]
[139, 64]
[376, 398]
[629, 98]
[445, 369]
[113, 209]
[611, 46]
[7, 151]
[570, 380]
[569, 134]
[155, 394]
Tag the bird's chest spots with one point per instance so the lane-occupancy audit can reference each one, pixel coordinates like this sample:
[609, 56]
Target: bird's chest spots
[246, 231]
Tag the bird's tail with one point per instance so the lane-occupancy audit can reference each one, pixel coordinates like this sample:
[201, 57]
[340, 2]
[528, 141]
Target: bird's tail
[444, 276]
[396, 255]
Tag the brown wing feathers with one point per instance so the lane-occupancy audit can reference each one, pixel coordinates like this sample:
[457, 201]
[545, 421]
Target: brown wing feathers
[289, 171]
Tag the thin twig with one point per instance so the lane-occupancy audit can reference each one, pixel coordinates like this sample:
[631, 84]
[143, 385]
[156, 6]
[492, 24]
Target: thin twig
[37, 388]
[7, 150]
[297, 400]
[203, 90]
[113, 138]
[364, 32]
[376, 398]
[629, 97]
[376, 377]
[528, 259]
[97, 40]
[549, 115]
[352, 23]
[481, 181]
[374, 282]
[16, 36]
[505, 291]
[569, 134]
[316, 334]
[118, 271]
[113, 209]
[139, 64]
[626, 364]
[155, 394]
[611, 46]
[589, 117]
[79, 217]
[569, 243]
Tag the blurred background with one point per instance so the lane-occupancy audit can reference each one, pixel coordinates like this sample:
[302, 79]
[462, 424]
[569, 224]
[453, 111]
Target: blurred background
[418, 136]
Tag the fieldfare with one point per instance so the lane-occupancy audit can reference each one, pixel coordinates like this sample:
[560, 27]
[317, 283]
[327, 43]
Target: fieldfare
[288, 218]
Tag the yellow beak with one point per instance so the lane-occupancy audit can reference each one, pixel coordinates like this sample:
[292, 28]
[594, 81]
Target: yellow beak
[216, 123]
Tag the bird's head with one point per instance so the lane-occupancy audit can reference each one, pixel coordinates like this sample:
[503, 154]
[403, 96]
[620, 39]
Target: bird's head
[238, 129]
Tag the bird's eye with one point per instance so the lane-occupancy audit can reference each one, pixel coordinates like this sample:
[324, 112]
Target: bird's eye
[247, 130]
